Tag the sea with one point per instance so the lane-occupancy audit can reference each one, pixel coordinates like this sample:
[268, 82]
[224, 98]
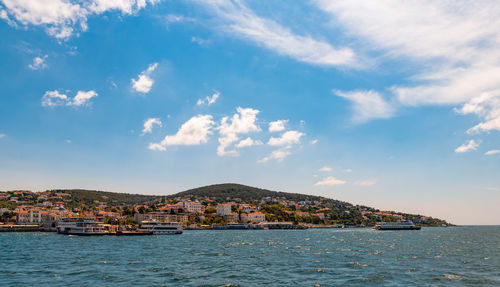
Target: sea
[447, 256]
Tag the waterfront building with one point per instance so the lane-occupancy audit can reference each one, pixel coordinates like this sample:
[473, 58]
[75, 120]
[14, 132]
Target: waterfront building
[29, 216]
[256, 217]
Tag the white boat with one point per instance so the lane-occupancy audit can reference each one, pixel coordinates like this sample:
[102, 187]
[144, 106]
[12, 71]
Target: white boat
[83, 226]
[160, 228]
[398, 225]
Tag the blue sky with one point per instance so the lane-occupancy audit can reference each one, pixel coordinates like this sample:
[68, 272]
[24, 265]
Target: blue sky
[386, 104]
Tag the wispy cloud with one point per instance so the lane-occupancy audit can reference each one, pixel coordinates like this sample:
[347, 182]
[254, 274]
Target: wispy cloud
[367, 105]
[55, 98]
[242, 22]
[330, 181]
[279, 155]
[325, 169]
[38, 63]
[452, 46]
[144, 82]
[368, 182]
[149, 123]
[209, 100]
[468, 146]
[492, 152]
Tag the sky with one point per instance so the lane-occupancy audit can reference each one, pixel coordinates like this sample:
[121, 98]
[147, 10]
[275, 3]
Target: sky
[390, 104]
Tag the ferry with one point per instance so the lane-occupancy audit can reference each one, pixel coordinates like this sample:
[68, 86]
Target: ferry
[83, 226]
[160, 228]
[398, 225]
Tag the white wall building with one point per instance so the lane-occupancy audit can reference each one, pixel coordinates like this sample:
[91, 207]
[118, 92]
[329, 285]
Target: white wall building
[190, 206]
[224, 209]
[256, 217]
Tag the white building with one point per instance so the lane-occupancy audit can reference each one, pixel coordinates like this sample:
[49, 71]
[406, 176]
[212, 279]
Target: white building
[256, 217]
[32, 216]
[190, 206]
[224, 209]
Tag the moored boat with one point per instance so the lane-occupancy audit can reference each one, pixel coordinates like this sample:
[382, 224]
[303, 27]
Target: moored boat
[83, 226]
[398, 225]
[160, 228]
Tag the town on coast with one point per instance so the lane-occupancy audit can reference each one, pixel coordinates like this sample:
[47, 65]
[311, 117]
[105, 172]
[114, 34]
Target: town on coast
[226, 206]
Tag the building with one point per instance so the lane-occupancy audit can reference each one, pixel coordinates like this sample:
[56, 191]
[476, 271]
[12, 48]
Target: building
[224, 209]
[190, 206]
[29, 216]
[162, 217]
[256, 217]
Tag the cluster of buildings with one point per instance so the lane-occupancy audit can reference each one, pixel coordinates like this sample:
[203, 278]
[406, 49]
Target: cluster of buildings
[46, 208]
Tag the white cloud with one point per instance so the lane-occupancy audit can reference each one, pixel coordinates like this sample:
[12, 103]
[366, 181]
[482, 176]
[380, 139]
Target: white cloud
[157, 147]
[470, 145]
[172, 18]
[367, 105]
[452, 45]
[38, 63]
[54, 98]
[368, 182]
[279, 155]
[195, 131]
[248, 142]
[144, 81]
[277, 126]
[209, 100]
[330, 181]
[325, 168]
[314, 141]
[200, 41]
[2, 136]
[244, 121]
[244, 23]
[59, 17]
[492, 152]
[487, 107]
[82, 98]
[287, 138]
[148, 125]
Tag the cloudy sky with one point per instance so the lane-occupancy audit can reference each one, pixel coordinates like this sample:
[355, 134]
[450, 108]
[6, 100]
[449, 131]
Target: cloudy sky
[389, 104]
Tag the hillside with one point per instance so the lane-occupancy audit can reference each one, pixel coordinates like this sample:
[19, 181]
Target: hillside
[91, 197]
[276, 203]
[221, 192]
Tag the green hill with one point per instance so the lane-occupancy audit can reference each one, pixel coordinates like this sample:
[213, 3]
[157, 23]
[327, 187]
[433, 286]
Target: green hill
[275, 202]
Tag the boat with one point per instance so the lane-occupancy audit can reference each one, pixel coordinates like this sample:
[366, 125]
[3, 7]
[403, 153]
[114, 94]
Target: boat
[160, 228]
[398, 225]
[236, 226]
[83, 226]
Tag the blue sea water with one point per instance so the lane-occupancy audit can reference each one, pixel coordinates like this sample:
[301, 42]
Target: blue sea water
[456, 256]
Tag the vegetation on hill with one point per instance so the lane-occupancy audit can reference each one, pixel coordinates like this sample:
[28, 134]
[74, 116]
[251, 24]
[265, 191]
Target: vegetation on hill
[277, 206]
[94, 197]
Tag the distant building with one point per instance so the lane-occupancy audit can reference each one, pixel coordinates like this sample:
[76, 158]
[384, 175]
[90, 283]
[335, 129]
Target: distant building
[256, 217]
[190, 206]
[162, 217]
[29, 216]
[224, 209]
